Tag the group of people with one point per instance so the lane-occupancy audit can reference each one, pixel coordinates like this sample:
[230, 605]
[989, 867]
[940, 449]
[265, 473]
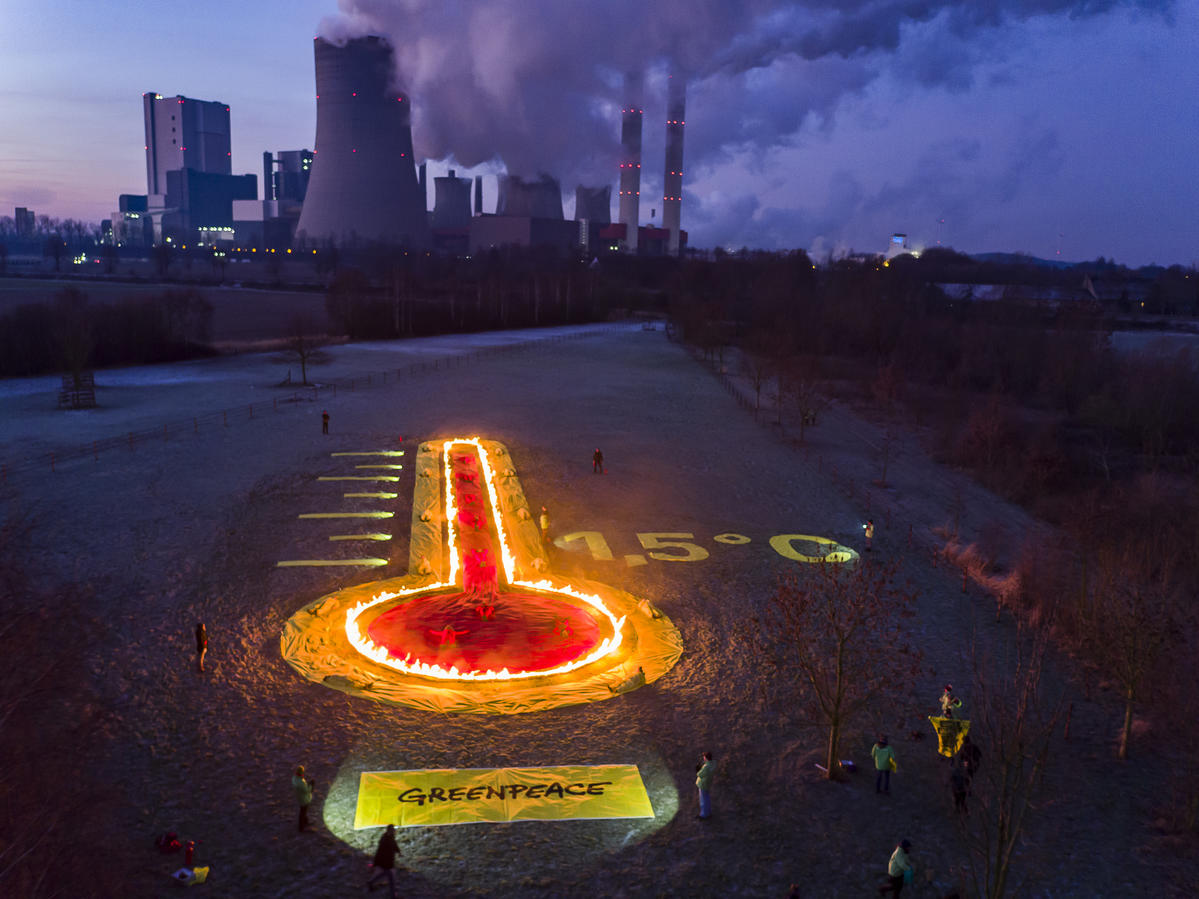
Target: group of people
[965, 764]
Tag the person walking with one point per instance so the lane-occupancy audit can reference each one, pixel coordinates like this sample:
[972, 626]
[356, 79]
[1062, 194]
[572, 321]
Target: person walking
[544, 521]
[201, 644]
[899, 869]
[869, 528]
[884, 764]
[302, 787]
[325, 421]
[385, 860]
[703, 783]
[970, 756]
[597, 462]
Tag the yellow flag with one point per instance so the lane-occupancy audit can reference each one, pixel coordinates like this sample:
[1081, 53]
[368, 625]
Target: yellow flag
[433, 797]
[950, 733]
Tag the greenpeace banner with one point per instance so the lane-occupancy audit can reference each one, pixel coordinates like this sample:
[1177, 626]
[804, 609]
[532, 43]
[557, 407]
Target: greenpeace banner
[478, 795]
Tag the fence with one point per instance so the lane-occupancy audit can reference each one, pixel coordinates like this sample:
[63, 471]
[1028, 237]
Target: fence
[130, 441]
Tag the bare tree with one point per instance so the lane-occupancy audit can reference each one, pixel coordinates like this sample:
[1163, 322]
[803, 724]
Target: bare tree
[837, 631]
[1126, 627]
[303, 345]
[1013, 723]
[799, 386]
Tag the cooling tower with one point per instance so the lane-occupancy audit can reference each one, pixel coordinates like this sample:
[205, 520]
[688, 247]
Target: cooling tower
[672, 199]
[540, 199]
[594, 204]
[363, 184]
[630, 162]
[451, 205]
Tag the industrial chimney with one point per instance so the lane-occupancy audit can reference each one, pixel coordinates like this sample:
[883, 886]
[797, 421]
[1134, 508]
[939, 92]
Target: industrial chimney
[363, 184]
[630, 162]
[594, 204]
[541, 199]
[451, 204]
[672, 200]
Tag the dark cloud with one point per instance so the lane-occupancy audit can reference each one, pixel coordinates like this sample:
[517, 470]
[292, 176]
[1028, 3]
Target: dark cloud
[537, 84]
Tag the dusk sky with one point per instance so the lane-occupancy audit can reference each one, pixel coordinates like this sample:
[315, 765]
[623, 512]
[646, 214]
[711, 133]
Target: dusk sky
[1026, 125]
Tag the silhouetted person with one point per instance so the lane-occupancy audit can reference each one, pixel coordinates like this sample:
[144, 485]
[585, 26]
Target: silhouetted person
[970, 756]
[703, 783]
[597, 462]
[325, 422]
[201, 644]
[302, 786]
[385, 860]
[959, 785]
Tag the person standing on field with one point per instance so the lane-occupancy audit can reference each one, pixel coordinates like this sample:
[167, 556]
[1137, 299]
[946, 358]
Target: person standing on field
[201, 644]
[597, 462]
[302, 787]
[884, 764]
[703, 783]
[869, 528]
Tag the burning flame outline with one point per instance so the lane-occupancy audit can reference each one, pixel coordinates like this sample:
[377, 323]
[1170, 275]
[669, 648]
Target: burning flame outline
[379, 654]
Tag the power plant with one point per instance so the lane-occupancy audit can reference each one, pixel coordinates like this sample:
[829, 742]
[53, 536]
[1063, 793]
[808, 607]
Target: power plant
[630, 163]
[672, 194]
[363, 182]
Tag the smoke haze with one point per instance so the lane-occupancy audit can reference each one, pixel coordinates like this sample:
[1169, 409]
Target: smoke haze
[536, 85]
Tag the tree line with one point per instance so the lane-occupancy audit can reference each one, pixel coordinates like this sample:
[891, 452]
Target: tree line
[70, 335]
[1030, 396]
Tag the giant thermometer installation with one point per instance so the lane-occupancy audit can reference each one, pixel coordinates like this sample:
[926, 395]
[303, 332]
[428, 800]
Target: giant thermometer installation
[480, 623]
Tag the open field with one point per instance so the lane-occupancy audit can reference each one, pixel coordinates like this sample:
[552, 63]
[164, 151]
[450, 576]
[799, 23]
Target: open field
[142, 544]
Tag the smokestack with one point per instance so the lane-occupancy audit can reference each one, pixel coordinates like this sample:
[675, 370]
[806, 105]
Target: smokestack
[672, 200]
[363, 183]
[451, 204]
[594, 204]
[424, 184]
[478, 194]
[630, 164]
[541, 199]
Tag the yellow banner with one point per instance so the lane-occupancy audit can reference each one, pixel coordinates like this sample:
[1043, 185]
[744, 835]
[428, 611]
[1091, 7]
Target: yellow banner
[477, 795]
[950, 733]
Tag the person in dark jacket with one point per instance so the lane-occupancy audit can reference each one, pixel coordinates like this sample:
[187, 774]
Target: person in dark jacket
[597, 462]
[201, 644]
[385, 860]
[970, 756]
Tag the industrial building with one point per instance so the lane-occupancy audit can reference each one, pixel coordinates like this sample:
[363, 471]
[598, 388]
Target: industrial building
[360, 184]
[190, 185]
[363, 187]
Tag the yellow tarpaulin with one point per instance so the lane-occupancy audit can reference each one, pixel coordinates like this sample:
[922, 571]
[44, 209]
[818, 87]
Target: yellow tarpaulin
[478, 795]
[950, 733]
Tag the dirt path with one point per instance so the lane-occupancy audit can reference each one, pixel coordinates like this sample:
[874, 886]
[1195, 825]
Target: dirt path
[193, 531]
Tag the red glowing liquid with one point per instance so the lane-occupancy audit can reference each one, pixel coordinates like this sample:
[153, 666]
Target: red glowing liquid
[484, 625]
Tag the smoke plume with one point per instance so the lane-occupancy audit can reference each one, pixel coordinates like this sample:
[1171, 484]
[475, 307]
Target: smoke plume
[536, 84]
